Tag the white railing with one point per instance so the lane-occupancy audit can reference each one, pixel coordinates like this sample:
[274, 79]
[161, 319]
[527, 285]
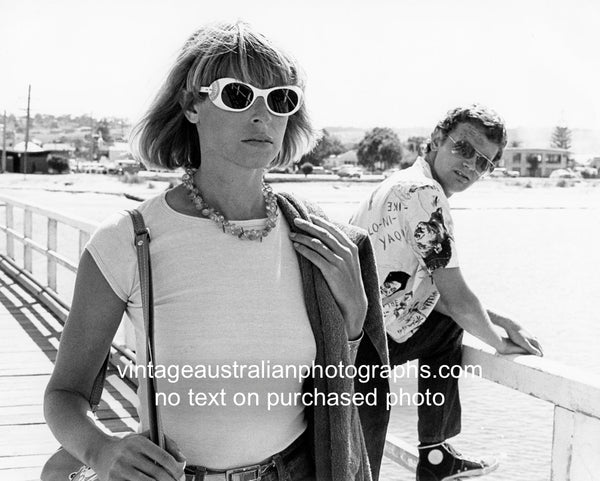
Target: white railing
[45, 288]
[48, 249]
[574, 393]
[576, 398]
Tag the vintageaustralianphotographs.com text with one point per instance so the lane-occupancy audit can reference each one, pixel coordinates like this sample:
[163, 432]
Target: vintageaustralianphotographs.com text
[172, 373]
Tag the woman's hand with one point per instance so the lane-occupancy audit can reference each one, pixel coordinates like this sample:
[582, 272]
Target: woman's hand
[336, 256]
[136, 458]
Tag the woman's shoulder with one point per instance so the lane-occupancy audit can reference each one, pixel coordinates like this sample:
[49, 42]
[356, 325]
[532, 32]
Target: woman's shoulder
[120, 225]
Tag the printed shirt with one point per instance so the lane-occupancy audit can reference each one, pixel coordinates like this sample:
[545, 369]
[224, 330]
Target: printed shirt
[409, 223]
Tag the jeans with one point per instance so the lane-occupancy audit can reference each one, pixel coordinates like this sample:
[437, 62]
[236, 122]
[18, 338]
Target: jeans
[294, 463]
[437, 342]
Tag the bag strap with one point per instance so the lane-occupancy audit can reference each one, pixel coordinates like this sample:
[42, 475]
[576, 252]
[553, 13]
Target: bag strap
[142, 241]
[142, 247]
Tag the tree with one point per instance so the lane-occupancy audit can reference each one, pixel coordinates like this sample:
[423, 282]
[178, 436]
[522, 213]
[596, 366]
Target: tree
[561, 137]
[58, 164]
[327, 145]
[380, 146]
[306, 168]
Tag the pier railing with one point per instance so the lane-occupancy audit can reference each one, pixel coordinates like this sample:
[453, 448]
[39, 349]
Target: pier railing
[574, 393]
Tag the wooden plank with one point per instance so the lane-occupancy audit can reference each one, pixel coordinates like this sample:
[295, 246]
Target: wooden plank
[31, 461]
[32, 439]
[26, 363]
[22, 390]
[29, 390]
[18, 340]
[36, 439]
[34, 414]
[22, 474]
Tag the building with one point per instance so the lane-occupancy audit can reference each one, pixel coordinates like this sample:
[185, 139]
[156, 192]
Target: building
[595, 163]
[37, 158]
[119, 151]
[534, 162]
[60, 149]
[347, 158]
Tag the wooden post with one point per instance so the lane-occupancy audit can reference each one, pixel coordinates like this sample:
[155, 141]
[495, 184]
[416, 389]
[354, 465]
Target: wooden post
[10, 223]
[83, 239]
[585, 462]
[3, 168]
[562, 444]
[27, 233]
[52, 246]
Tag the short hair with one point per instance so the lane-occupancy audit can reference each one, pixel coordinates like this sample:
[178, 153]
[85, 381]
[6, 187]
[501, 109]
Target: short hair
[165, 137]
[478, 115]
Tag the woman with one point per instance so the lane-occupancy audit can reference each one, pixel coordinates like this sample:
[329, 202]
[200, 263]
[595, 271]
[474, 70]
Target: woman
[240, 277]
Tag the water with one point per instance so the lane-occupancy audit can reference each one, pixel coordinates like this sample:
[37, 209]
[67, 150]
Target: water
[532, 253]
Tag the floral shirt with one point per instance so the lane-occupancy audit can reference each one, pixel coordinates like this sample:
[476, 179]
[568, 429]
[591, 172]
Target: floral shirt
[408, 220]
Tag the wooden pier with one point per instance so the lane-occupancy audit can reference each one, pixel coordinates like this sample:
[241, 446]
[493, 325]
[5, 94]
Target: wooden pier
[32, 308]
[29, 335]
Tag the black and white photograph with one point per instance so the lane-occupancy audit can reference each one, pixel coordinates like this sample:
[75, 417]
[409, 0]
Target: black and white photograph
[299, 241]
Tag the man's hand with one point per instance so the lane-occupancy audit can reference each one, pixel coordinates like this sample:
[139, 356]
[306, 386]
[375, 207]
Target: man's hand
[517, 334]
[524, 339]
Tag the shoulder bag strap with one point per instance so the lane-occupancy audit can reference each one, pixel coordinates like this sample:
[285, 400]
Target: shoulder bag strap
[142, 241]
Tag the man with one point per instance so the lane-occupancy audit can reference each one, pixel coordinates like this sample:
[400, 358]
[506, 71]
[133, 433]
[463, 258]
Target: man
[427, 303]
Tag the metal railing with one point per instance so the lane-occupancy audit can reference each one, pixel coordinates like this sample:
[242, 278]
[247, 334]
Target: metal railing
[574, 393]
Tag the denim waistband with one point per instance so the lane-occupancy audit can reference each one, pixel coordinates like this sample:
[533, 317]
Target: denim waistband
[255, 472]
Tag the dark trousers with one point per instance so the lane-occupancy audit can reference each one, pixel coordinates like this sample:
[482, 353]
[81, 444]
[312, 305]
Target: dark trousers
[437, 343]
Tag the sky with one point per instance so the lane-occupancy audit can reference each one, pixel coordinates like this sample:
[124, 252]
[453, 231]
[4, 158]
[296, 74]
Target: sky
[368, 63]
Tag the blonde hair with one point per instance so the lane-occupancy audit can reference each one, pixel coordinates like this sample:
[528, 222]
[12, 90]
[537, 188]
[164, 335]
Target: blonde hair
[165, 137]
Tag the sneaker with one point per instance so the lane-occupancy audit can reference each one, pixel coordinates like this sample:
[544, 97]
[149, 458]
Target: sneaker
[441, 462]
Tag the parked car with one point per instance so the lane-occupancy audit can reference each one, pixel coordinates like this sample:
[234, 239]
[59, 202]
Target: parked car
[92, 168]
[350, 171]
[564, 174]
[288, 169]
[502, 172]
[319, 169]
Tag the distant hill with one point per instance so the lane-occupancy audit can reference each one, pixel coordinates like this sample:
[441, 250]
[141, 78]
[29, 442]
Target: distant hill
[585, 141]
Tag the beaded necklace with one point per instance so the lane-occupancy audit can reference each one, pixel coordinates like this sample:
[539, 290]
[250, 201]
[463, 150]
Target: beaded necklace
[221, 221]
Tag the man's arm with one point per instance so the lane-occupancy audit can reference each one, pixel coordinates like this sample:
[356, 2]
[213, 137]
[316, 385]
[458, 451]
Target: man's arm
[462, 305]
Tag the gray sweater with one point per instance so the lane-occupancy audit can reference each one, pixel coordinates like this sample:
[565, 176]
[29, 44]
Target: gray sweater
[346, 442]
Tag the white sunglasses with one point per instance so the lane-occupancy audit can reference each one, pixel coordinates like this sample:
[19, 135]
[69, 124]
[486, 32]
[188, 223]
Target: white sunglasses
[236, 96]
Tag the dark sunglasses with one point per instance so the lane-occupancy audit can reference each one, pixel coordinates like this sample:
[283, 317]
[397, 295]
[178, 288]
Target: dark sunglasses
[483, 165]
[236, 96]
